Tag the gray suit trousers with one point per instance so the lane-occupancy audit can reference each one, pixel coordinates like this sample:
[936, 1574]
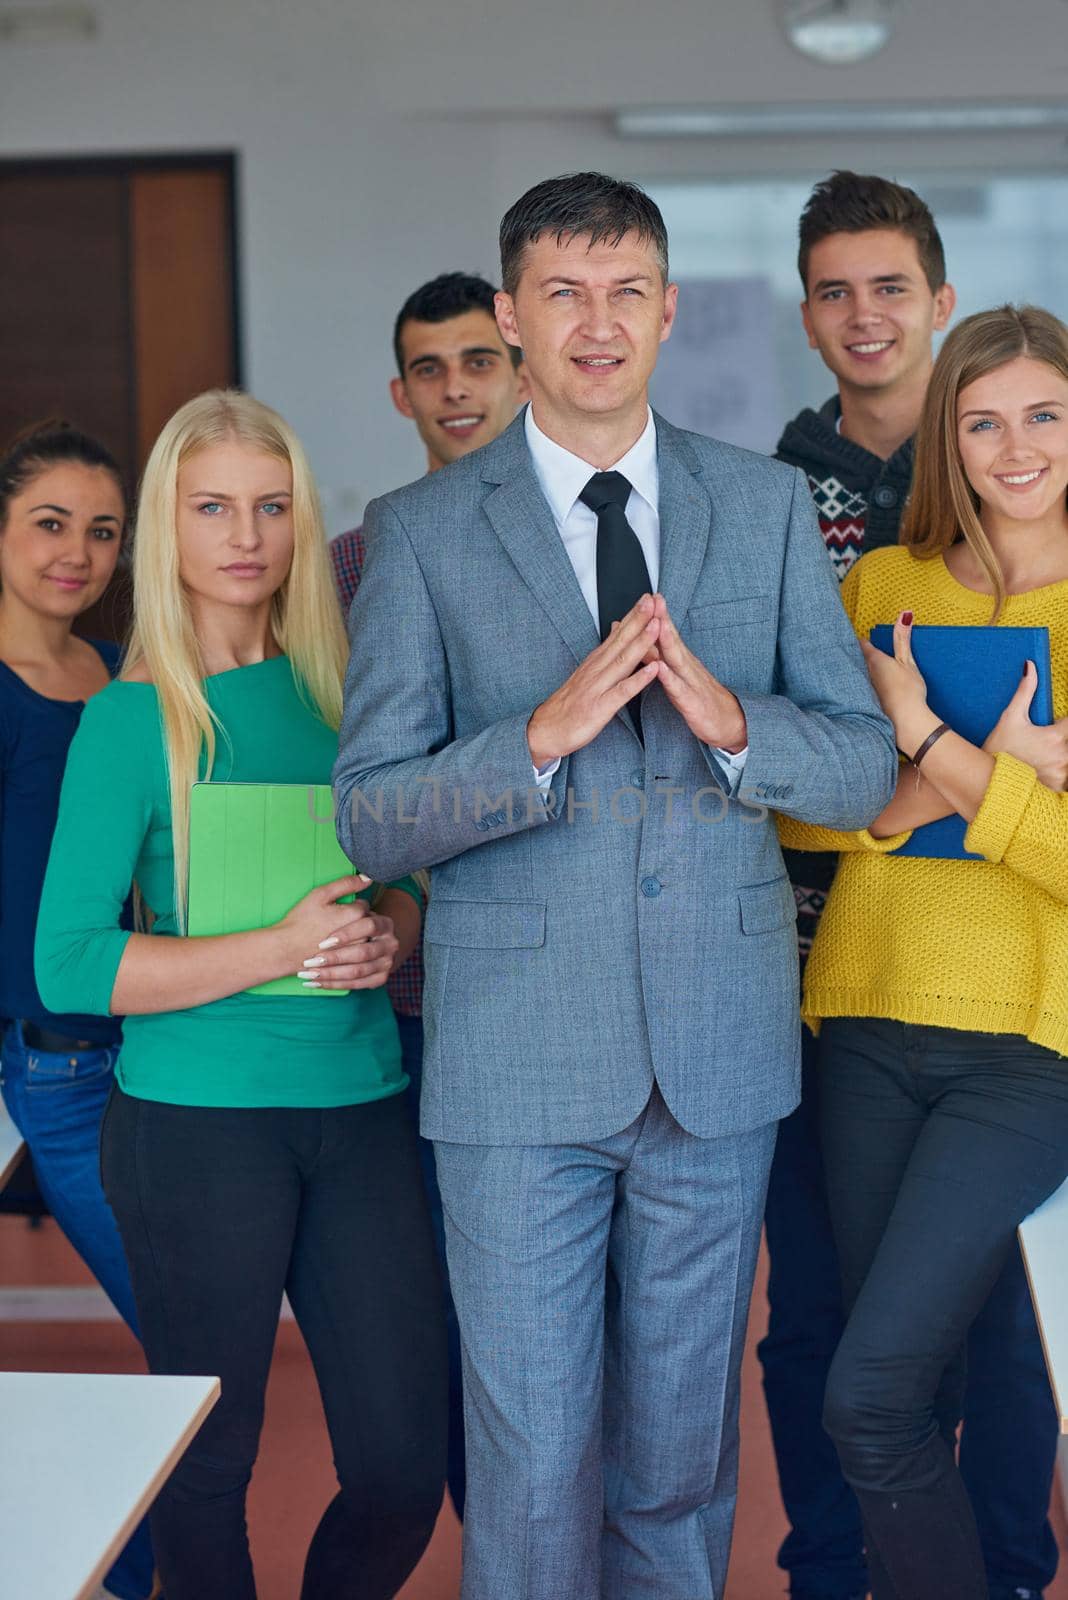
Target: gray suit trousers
[603, 1430]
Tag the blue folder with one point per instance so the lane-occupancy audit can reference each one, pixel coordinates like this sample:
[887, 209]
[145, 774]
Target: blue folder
[971, 675]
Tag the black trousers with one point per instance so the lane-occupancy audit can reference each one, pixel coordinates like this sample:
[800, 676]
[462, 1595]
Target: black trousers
[219, 1211]
[937, 1142]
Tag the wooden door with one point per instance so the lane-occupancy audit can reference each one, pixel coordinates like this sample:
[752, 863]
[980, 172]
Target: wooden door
[117, 303]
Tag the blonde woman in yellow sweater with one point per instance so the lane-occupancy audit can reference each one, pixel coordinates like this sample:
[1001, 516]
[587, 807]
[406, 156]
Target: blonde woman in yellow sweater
[940, 987]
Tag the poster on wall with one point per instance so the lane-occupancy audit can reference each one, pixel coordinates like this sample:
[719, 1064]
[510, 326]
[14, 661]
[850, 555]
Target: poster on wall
[717, 374]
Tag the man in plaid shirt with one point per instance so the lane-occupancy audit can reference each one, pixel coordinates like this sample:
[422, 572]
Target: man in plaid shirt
[461, 385]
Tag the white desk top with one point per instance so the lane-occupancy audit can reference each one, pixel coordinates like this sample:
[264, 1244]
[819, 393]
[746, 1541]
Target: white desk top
[10, 1145]
[1044, 1242]
[82, 1457]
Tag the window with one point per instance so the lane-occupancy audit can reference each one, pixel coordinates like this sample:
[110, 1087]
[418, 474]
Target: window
[741, 365]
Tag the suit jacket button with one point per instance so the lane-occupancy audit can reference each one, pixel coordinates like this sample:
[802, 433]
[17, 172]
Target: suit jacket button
[637, 780]
[651, 887]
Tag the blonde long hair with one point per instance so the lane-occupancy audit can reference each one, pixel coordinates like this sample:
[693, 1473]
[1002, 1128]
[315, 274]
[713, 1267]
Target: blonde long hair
[305, 615]
[943, 505]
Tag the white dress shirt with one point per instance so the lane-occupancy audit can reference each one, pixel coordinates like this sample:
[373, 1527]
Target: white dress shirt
[562, 478]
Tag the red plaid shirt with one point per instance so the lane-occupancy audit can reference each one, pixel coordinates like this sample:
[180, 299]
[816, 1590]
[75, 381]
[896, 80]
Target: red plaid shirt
[347, 552]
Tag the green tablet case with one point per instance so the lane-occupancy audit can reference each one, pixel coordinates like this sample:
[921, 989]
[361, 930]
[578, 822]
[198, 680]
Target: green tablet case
[255, 849]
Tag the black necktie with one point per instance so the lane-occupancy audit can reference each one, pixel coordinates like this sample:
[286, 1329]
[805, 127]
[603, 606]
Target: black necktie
[622, 576]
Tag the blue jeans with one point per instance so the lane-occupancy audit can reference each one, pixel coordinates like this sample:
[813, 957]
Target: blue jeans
[411, 1038]
[1009, 1438]
[56, 1102]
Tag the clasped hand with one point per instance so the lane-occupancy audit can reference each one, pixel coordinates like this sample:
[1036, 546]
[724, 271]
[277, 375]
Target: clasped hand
[338, 946]
[900, 687]
[643, 647]
[1045, 749]
[902, 694]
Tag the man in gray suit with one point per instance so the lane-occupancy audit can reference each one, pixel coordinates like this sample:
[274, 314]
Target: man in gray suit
[537, 707]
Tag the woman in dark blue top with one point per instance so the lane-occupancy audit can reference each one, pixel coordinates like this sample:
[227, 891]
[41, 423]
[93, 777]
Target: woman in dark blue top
[35, 731]
[62, 514]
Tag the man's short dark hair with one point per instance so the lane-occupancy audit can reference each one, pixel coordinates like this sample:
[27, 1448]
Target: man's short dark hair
[581, 203]
[446, 296]
[849, 202]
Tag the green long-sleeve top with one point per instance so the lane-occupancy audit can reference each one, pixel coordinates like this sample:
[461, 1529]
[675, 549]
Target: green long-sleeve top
[114, 828]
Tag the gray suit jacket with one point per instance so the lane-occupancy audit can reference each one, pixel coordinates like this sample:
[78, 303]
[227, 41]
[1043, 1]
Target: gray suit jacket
[640, 924]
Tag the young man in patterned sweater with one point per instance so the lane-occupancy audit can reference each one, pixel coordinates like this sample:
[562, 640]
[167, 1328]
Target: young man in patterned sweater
[461, 385]
[873, 272]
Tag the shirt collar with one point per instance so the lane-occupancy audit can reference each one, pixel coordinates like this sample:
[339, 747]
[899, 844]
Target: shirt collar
[563, 476]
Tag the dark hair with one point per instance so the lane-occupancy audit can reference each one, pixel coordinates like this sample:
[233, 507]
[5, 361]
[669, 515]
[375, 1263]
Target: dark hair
[49, 444]
[448, 295]
[848, 202]
[580, 203]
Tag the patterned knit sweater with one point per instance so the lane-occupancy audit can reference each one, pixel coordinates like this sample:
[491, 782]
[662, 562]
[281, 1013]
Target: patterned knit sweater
[859, 500]
[859, 496]
[978, 945]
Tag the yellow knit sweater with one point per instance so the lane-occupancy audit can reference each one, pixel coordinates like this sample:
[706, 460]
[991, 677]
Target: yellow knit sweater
[957, 944]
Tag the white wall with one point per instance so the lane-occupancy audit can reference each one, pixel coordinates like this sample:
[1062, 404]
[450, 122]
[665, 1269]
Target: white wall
[380, 145]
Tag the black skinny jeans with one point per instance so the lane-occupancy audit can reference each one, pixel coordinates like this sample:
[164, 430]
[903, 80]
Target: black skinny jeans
[937, 1142]
[219, 1211]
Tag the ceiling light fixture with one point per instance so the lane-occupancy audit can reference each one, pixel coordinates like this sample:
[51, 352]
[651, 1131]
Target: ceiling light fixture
[817, 119]
[839, 32]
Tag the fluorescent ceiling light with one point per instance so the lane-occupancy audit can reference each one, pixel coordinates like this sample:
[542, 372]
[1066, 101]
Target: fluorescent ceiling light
[746, 121]
[47, 22]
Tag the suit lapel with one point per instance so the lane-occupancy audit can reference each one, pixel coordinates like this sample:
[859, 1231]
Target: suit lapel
[520, 516]
[523, 521]
[685, 520]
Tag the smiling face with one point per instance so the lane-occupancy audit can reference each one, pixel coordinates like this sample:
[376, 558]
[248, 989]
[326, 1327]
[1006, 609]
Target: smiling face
[460, 386]
[870, 311]
[61, 539]
[1012, 433]
[235, 524]
[590, 321]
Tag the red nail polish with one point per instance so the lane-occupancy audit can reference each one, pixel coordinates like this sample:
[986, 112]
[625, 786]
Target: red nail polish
[906, 617]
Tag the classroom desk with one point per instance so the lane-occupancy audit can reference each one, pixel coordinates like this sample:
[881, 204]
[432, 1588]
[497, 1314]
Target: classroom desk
[82, 1457]
[1044, 1243]
[10, 1146]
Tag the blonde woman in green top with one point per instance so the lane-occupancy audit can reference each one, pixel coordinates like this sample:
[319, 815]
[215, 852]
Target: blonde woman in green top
[253, 1144]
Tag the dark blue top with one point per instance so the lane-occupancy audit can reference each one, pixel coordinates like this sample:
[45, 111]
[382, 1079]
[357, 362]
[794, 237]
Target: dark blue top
[35, 735]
